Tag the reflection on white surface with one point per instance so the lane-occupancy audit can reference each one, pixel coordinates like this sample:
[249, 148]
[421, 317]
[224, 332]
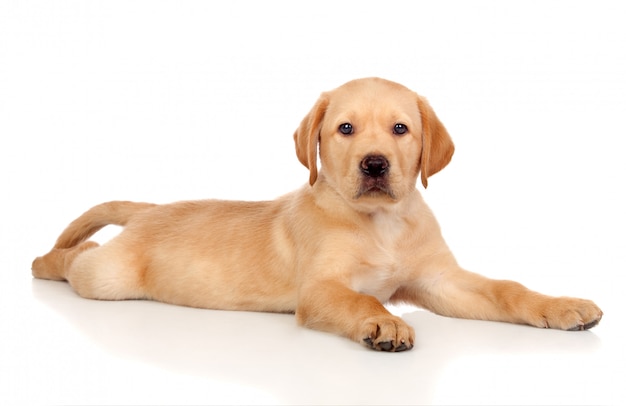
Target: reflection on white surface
[122, 352]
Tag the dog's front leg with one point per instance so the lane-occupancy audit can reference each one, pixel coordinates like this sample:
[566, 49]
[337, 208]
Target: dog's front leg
[455, 292]
[333, 307]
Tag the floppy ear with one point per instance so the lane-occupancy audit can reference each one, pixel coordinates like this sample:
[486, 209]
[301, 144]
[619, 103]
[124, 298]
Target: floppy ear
[307, 137]
[437, 146]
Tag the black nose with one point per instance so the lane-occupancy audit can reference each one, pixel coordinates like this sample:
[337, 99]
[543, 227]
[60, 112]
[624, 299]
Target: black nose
[374, 166]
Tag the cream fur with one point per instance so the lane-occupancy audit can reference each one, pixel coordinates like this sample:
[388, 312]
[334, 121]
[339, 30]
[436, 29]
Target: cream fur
[332, 252]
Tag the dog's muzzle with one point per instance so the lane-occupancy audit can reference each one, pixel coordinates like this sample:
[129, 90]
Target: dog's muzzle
[375, 170]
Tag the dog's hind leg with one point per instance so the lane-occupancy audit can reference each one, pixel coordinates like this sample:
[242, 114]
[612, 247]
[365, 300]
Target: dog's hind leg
[95, 272]
[110, 272]
[55, 264]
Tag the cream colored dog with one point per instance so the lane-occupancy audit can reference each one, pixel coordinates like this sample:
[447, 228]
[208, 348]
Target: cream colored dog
[359, 235]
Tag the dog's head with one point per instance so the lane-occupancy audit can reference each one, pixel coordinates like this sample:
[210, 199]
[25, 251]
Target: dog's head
[375, 137]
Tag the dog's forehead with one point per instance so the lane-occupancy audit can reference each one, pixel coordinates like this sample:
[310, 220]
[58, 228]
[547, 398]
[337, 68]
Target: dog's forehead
[372, 95]
[371, 88]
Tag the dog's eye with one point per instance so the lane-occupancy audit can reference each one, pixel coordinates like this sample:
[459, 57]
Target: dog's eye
[346, 129]
[400, 129]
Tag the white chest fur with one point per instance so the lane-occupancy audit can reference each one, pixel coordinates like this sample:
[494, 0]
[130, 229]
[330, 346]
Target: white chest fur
[378, 269]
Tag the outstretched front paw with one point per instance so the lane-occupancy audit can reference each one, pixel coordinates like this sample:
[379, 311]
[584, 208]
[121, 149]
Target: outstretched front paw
[387, 333]
[568, 313]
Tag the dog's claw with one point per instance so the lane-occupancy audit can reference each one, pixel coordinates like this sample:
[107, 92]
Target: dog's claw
[587, 326]
[402, 347]
[591, 324]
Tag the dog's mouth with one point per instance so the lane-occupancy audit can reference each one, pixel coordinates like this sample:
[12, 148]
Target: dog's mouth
[375, 187]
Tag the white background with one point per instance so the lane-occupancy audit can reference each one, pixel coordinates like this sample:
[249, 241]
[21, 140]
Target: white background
[164, 101]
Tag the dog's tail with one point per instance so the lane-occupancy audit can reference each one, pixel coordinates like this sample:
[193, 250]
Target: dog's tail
[117, 213]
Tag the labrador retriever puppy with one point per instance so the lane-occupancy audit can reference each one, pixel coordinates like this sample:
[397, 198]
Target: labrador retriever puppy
[358, 235]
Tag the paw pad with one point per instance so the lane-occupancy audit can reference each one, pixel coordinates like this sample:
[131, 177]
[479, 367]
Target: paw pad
[387, 346]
